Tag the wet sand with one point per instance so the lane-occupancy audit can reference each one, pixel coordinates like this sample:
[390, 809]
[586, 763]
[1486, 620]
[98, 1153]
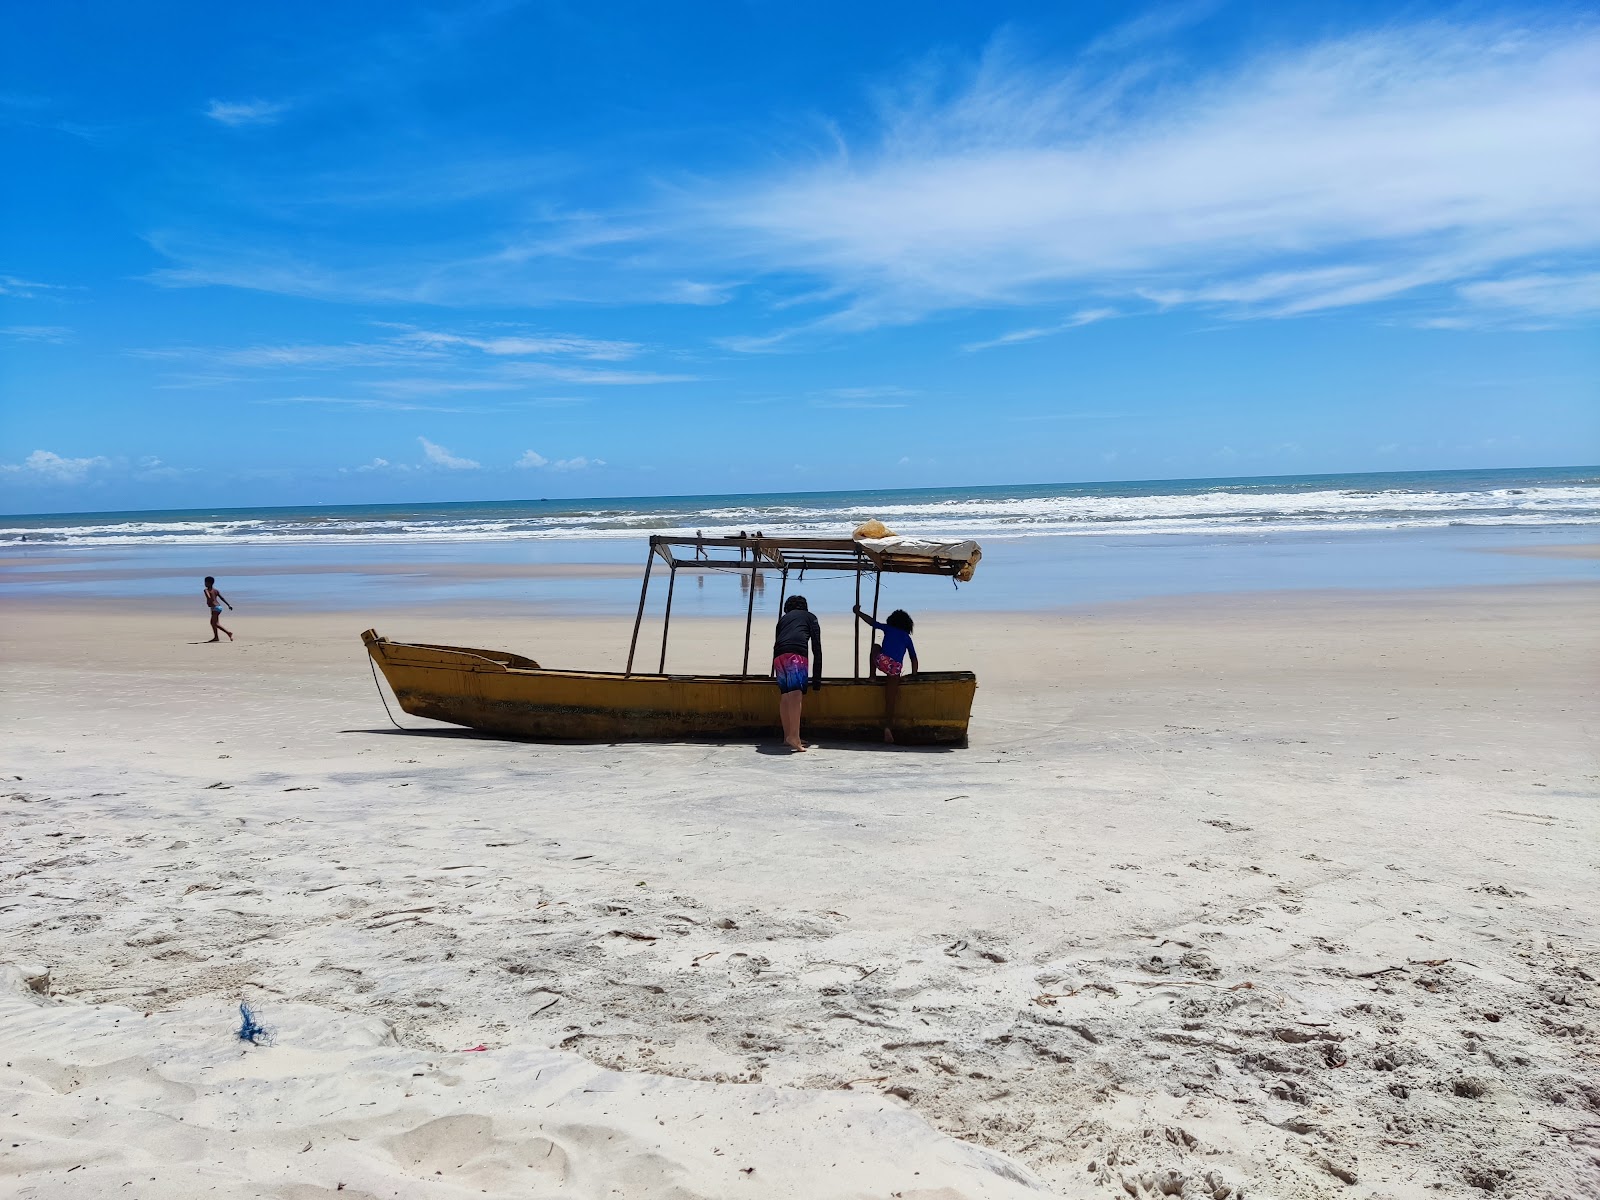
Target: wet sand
[1585, 551]
[1287, 893]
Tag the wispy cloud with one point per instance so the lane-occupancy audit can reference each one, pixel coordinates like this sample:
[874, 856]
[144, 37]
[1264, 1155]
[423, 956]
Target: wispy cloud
[408, 386]
[246, 112]
[549, 402]
[377, 464]
[598, 377]
[27, 289]
[1074, 416]
[46, 466]
[1404, 163]
[1155, 23]
[353, 354]
[1343, 173]
[688, 291]
[440, 457]
[874, 391]
[523, 346]
[36, 333]
[364, 402]
[533, 460]
[1545, 295]
[859, 404]
[580, 463]
[879, 395]
[1087, 317]
[500, 362]
[42, 112]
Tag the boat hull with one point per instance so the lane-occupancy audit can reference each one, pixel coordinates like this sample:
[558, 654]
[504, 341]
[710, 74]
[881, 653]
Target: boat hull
[512, 696]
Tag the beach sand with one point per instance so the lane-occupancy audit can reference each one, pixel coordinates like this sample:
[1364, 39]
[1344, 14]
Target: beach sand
[1586, 550]
[1283, 895]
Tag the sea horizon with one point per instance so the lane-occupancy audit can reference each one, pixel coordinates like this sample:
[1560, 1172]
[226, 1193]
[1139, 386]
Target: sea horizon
[1507, 496]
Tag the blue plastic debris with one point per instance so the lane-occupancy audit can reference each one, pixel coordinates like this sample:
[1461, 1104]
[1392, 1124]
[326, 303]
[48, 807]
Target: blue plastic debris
[250, 1030]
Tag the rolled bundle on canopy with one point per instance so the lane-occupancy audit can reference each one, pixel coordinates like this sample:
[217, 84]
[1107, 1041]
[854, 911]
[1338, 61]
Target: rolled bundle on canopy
[877, 538]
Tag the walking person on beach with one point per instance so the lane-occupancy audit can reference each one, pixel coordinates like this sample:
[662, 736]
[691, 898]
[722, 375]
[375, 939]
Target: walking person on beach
[797, 630]
[214, 601]
[889, 658]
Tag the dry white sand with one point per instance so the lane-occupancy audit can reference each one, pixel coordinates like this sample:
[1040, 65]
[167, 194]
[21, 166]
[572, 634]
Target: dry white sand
[1277, 897]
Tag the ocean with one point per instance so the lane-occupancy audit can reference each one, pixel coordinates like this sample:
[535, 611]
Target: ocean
[1565, 496]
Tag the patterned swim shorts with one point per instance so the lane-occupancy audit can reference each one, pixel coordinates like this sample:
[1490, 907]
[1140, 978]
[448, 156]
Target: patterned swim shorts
[791, 671]
[887, 665]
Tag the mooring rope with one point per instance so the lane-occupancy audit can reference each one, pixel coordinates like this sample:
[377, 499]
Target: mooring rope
[381, 696]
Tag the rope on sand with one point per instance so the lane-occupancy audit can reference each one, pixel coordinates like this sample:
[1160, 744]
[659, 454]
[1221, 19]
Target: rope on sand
[381, 696]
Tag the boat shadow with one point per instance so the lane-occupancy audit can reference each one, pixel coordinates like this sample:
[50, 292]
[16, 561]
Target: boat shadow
[780, 749]
[777, 749]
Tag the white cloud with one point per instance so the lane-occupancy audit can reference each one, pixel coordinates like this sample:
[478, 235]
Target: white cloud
[26, 289]
[366, 402]
[46, 466]
[421, 350]
[440, 457]
[1402, 163]
[36, 333]
[377, 464]
[581, 347]
[534, 460]
[152, 468]
[353, 354]
[598, 377]
[245, 112]
[1347, 172]
[1087, 317]
[875, 391]
[858, 404]
[1160, 21]
[1545, 295]
[879, 395]
[432, 387]
[294, 356]
[686, 291]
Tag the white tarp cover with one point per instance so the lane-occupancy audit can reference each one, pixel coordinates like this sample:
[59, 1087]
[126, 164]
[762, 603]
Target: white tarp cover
[966, 553]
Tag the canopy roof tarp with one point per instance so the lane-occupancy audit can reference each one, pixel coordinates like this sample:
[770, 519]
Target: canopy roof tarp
[882, 555]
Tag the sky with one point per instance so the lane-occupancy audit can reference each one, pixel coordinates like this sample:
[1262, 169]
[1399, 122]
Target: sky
[362, 252]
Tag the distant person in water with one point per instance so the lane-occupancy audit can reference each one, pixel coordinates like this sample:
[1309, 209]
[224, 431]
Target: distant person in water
[889, 659]
[214, 602]
[797, 630]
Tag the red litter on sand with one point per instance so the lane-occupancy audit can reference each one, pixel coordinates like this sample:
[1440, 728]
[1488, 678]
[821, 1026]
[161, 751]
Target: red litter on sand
[472, 1049]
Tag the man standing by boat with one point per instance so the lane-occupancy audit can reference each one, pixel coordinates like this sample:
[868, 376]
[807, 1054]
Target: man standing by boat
[797, 631]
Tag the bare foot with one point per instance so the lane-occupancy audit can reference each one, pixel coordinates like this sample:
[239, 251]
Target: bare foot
[797, 747]
[230, 637]
[888, 735]
[214, 640]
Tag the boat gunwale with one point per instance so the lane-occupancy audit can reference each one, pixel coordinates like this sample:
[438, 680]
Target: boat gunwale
[957, 676]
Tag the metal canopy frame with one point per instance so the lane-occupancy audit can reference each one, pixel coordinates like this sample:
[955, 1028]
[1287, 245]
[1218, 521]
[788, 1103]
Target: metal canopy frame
[782, 554]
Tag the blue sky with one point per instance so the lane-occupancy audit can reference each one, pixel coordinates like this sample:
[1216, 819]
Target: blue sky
[349, 252]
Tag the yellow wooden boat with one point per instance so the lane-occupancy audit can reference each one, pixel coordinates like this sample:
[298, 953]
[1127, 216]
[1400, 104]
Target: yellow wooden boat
[512, 695]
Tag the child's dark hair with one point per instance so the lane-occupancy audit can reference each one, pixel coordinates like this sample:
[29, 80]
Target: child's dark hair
[795, 603]
[210, 579]
[899, 619]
